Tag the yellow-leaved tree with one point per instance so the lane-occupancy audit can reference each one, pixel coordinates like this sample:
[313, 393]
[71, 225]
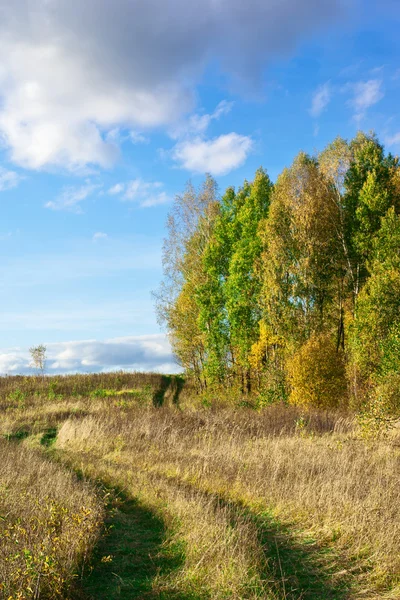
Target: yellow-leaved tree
[316, 374]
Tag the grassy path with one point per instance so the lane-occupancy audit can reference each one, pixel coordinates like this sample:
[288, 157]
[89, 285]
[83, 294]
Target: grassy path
[132, 553]
[295, 570]
[129, 555]
[133, 561]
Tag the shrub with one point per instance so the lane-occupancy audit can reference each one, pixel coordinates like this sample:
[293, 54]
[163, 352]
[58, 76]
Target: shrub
[316, 374]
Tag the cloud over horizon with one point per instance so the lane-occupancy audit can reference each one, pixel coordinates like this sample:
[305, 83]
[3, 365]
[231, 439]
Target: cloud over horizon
[138, 353]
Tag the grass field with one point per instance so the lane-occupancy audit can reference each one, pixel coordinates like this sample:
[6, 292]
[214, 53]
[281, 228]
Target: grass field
[131, 486]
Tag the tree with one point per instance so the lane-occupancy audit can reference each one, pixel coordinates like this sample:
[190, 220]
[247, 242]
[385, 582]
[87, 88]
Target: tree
[334, 163]
[375, 329]
[370, 189]
[229, 299]
[287, 284]
[38, 355]
[301, 255]
[189, 226]
[243, 285]
[213, 318]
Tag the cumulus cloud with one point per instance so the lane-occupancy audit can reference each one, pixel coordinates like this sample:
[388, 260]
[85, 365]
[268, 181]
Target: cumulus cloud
[71, 197]
[77, 70]
[365, 95]
[13, 361]
[8, 179]
[321, 99]
[217, 156]
[198, 153]
[145, 193]
[139, 353]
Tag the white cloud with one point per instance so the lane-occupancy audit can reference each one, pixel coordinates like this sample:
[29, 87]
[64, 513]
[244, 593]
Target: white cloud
[71, 197]
[8, 179]
[145, 193]
[197, 124]
[321, 99]
[365, 95]
[99, 235]
[138, 138]
[217, 156]
[118, 136]
[13, 361]
[197, 153]
[140, 353]
[77, 70]
[118, 188]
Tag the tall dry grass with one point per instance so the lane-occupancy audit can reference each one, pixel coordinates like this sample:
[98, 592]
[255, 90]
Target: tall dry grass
[315, 476]
[49, 522]
[274, 503]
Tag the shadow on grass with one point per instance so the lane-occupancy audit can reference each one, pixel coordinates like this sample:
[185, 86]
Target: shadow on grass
[300, 570]
[172, 383]
[49, 437]
[294, 569]
[130, 554]
[17, 436]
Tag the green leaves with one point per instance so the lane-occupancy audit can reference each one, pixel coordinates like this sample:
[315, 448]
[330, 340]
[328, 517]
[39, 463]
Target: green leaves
[258, 277]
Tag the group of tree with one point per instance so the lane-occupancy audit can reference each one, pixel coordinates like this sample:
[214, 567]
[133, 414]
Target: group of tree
[291, 290]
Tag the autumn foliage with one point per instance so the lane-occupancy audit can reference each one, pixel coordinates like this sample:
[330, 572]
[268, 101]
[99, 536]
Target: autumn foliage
[296, 282]
[316, 374]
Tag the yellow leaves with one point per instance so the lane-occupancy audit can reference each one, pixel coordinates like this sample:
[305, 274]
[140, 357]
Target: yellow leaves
[107, 559]
[317, 374]
[265, 346]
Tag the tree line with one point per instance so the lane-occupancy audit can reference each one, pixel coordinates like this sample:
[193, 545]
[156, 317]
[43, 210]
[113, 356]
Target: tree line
[291, 290]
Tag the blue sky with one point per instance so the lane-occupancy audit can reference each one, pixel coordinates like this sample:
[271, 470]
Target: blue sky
[108, 108]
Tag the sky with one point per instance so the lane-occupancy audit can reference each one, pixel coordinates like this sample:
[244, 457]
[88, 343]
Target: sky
[108, 108]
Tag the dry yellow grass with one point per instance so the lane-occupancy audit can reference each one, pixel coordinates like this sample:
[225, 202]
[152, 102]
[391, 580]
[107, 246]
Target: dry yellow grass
[332, 487]
[216, 502]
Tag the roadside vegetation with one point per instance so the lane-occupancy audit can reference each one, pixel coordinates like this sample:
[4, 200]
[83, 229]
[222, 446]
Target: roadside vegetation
[49, 522]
